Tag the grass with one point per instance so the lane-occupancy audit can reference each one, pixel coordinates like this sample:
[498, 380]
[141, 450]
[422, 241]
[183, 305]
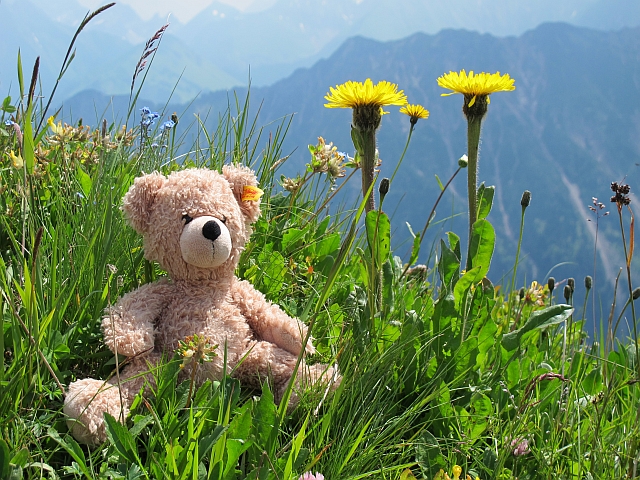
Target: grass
[440, 367]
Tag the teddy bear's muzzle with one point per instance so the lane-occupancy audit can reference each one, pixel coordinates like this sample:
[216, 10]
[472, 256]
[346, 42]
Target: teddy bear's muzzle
[205, 242]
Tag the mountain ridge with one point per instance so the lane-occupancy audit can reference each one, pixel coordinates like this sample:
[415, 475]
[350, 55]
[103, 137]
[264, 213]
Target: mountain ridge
[220, 46]
[568, 130]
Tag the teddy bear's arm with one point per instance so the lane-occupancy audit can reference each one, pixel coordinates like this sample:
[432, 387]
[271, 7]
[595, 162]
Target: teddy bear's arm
[129, 325]
[268, 321]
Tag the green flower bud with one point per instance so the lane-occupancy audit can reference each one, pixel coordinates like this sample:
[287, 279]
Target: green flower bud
[526, 199]
[463, 161]
[551, 283]
[571, 282]
[567, 292]
[636, 293]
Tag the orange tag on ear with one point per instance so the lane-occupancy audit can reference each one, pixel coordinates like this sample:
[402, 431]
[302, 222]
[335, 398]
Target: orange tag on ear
[250, 193]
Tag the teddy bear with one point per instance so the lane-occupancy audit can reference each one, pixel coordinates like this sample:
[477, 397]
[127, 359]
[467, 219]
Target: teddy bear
[195, 224]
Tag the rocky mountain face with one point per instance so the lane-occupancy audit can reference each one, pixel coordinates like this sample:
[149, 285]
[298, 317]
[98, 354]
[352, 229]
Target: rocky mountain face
[223, 46]
[570, 128]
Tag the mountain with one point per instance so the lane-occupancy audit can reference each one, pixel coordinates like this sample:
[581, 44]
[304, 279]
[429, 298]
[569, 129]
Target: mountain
[294, 33]
[221, 46]
[570, 128]
[107, 51]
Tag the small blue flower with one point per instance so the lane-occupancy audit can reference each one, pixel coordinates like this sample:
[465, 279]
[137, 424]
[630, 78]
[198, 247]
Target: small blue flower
[148, 117]
[168, 125]
[9, 122]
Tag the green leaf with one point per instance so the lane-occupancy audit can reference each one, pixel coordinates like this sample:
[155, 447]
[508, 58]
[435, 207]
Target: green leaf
[356, 137]
[483, 239]
[237, 441]
[448, 266]
[73, 449]
[513, 374]
[454, 243]
[387, 285]
[489, 459]
[206, 444]
[4, 459]
[20, 75]
[482, 409]
[296, 445]
[415, 250]
[6, 105]
[538, 320]
[67, 65]
[443, 314]
[345, 248]
[264, 415]
[120, 438]
[140, 422]
[28, 147]
[274, 270]
[486, 341]
[328, 245]
[355, 444]
[428, 455]
[485, 200]
[463, 285]
[84, 180]
[291, 237]
[20, 458]
[378, 236]
[439, 183]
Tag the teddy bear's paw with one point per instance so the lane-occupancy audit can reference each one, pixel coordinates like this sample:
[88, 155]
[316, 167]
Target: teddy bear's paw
[323, 374]
[85, 404]
[124, 332]
[291, 337]
[309, 349]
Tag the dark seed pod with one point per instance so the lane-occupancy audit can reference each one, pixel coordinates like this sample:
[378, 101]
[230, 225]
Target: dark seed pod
[588, 281]
[551, 283]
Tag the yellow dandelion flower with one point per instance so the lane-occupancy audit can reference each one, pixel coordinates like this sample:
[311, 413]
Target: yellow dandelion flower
[357, 94]
[473, 85]
[416, 112]
[366, 100]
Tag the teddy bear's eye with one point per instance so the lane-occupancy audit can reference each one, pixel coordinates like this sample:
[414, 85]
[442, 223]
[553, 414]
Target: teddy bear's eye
[186, 218]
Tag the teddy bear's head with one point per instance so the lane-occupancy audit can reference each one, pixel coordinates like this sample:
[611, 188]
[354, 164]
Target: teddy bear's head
[195, 222]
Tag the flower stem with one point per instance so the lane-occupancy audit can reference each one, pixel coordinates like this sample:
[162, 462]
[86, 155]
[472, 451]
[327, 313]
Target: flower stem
[627, 257]
[406, 146]
[473, 141]
[191, 383]
[432, 214]
[515, 266]
[368, 166]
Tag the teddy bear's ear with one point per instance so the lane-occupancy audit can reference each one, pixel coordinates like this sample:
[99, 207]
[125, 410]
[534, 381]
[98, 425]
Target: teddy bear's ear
[244, 184]
[139, 199]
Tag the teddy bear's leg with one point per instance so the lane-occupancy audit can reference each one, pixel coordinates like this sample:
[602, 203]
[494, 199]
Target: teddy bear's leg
[88, 400]
[266, 361]
[85, 404]
[308, 375]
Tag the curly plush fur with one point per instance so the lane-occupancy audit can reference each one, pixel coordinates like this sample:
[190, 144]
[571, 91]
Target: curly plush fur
[195, 224]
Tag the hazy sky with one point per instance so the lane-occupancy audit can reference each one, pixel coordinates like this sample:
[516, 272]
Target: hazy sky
[183, 10]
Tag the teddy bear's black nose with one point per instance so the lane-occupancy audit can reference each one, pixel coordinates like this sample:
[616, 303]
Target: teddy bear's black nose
[211, 230]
